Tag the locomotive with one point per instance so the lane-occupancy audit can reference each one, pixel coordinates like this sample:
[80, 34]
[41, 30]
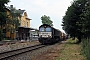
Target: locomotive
[48, 34]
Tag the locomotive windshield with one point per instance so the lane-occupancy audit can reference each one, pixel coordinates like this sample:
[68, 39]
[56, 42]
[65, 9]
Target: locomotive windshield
[46, 29]
[42, 29]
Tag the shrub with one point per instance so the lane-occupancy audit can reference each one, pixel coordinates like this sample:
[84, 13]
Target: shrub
[86, 48]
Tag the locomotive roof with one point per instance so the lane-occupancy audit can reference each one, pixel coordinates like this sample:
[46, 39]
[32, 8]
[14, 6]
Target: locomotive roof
[45, 25]
[49, 26]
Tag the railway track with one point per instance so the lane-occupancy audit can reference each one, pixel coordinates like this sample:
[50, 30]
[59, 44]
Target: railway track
[12, 53]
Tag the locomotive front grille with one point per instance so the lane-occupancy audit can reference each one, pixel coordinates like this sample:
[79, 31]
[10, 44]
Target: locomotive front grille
[45, 34]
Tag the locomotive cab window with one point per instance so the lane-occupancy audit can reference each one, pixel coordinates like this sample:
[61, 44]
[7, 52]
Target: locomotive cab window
[45, 29]
[48, 29]
[42, 29]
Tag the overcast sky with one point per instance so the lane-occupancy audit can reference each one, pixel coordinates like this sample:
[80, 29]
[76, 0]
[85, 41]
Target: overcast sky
[55, 9]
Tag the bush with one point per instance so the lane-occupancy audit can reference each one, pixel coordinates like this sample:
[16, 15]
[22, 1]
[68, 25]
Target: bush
[71, 40]
[86, 48]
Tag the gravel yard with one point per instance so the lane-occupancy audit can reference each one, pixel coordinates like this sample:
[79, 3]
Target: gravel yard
[52, 53]
[17, 45]
[31, 54]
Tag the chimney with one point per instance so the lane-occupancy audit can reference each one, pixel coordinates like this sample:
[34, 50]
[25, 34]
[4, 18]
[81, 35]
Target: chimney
[11, 6]
[19, 9]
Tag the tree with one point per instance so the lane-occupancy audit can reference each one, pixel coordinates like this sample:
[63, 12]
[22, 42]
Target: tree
[13, 22]
[69, 21]
[74, 20]
[86, 20]
[46, 20]
[3, 16]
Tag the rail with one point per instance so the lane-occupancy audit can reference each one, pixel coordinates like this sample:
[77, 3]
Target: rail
[12, 53]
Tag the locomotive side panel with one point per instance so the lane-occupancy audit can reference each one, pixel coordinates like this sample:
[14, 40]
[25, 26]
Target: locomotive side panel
[56, 35]
[56, 32]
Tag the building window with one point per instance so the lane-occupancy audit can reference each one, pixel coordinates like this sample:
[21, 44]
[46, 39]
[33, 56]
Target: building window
[26, 24]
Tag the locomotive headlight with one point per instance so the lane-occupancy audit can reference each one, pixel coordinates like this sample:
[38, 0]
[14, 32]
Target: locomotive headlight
[49, 36]
[40, 35]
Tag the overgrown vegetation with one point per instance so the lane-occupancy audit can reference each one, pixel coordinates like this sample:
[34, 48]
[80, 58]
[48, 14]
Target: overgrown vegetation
[72, 41]
[71, 51]
[86, 48]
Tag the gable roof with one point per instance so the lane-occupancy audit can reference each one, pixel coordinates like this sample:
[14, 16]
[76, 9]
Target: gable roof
[21, 11]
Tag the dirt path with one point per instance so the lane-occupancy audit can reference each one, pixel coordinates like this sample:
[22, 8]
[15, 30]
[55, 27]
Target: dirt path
[51, 54]
[62, 51]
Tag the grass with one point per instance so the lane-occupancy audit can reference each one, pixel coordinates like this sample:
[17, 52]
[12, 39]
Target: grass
[71, 51]
[72, 41]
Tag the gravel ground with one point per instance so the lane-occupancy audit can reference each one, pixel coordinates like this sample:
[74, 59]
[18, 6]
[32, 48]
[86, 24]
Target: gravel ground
[32, 54]
[18, 45]
[52, 53]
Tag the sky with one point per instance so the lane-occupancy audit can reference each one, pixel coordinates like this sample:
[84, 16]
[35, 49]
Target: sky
[35, 9]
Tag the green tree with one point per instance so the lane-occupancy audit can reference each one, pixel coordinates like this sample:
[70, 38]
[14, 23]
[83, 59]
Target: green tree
[86, 20]
[86, 30]
[73, 21]
[13, 22]
[69, 20]
[46, 20]
[3, 16]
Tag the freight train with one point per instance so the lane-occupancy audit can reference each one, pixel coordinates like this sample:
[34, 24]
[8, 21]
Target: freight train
[48, 34]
